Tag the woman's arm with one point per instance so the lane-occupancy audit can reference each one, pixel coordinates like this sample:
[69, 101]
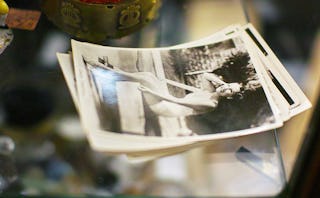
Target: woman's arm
[214, 79]
[194, 100]
[146, 79]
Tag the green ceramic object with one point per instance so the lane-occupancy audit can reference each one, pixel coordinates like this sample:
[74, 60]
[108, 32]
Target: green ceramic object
[98, 22]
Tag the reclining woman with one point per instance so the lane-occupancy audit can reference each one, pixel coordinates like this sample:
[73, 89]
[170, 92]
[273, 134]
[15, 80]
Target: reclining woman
[161, 102]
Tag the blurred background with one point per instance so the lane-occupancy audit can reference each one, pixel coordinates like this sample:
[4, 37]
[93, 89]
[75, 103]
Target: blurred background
[43, 149]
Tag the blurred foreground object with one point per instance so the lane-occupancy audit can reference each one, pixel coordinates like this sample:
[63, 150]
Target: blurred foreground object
[6, 35]
[98, 21]
[8, 172]
[4, 9]
[23, 19]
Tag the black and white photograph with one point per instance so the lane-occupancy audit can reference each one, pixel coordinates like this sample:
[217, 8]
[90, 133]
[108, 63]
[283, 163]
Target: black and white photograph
[193, 91]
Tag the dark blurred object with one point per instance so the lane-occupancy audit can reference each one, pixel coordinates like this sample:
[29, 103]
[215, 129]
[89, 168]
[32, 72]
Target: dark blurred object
[106, 179]
[305, 181]
[25, 4]
[97, 22]
[291, 30]
[8, 173]
[26, 105]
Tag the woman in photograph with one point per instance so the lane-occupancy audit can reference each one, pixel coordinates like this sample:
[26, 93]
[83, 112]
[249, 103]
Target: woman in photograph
[212, 83]
[161, 102]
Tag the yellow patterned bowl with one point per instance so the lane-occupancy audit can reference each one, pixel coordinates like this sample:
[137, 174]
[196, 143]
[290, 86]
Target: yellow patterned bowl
[98, 22]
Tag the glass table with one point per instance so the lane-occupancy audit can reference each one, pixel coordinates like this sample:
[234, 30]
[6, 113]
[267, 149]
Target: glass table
[51, 155]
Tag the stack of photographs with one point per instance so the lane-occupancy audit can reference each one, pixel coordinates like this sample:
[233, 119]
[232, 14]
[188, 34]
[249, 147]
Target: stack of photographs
[152, 102]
